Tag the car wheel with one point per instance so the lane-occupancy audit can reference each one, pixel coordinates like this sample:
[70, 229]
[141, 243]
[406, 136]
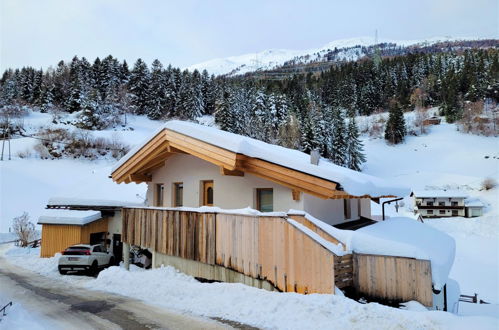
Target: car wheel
[111, 262]
[93, 269]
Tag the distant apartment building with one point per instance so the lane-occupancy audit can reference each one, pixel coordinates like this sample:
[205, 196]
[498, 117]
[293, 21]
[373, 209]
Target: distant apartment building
[440, 204]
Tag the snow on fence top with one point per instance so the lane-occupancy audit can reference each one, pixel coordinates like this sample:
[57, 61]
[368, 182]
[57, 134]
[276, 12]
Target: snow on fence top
[405, 237]
[440, 194]
[68, 217]
[353, 182]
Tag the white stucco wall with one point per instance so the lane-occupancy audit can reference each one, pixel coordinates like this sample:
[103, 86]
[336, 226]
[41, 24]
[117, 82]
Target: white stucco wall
[233, 192]
[114, 224]
[230, 192]
[332, 210]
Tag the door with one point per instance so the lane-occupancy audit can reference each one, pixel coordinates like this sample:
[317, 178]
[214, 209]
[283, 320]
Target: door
[208, 193]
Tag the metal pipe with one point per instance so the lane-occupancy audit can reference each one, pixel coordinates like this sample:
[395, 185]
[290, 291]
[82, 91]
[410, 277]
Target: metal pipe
[390, 201]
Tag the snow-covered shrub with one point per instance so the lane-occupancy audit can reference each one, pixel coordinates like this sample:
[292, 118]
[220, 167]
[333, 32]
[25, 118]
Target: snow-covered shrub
[489, 183]
[24, 229]
[24, 154]
[58, 143]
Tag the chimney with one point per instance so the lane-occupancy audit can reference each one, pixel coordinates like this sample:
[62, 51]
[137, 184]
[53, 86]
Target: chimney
[314, 157]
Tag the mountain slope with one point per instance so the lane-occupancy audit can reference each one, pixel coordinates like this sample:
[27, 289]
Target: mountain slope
[350, 49]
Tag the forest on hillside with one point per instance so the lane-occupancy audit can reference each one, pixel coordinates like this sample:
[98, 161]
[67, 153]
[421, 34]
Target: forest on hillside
[305, 111]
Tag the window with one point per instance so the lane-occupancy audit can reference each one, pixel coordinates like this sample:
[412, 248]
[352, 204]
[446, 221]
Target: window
[265, 199]
[429, 203]
[441, 203]
[442, 212]
[97, 249]
[429, 211]
[207, 193]
[455, 213]
[454, 203]
[160, 194]
[178, 194]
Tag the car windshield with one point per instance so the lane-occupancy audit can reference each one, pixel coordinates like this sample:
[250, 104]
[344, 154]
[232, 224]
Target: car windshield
[77, 248]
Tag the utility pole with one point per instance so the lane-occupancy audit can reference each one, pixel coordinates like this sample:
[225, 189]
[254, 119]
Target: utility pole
[5, 129]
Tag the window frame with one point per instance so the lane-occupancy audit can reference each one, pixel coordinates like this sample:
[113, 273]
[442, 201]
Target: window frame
[175, 193]
[258, 198]
[159, 195]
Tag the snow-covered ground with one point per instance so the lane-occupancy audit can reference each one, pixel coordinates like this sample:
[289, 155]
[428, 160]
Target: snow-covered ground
[442, 159]
[448, 159]
[166, 287]
[18, 317]
[27, 184]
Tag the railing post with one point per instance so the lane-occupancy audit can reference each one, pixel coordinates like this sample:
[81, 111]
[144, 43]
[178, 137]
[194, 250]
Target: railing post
[153, 264]
[126, 256]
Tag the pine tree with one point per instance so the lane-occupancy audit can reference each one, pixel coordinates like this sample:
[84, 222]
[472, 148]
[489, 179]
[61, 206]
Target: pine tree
[355, 149]
[395, 127]
[139, 86]
[156, 105]
[338, 138]
[89, 119]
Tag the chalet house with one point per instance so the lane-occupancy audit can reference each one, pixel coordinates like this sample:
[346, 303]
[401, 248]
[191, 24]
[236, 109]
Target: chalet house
[440, 204]
[225, 207]
[189, 165]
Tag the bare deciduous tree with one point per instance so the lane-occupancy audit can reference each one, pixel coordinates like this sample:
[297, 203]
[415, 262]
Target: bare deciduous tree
[24, 229]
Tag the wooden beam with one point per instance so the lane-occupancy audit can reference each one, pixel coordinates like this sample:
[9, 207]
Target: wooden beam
[289, 181]
[143, 161]
[225, 171]
[150, 147]
[296, 194]
[140, 177]
[291, 173]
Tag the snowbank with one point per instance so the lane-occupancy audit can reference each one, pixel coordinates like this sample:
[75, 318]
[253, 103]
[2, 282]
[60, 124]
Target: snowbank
[18, 317]
[68, 217]
[408, 238]
[353, 182]
[168, 288]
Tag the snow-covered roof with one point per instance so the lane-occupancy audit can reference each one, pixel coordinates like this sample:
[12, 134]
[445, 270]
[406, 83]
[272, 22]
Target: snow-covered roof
[95, 188]
[473, 202]
[406, 237]
[353, 182]
[68, 217]
[440, 194]
[73, 201]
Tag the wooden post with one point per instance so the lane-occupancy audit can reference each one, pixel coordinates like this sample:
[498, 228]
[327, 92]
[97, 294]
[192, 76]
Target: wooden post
[126, 255]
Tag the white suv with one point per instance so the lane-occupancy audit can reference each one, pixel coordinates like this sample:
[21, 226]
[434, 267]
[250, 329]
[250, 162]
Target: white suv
[85, 257]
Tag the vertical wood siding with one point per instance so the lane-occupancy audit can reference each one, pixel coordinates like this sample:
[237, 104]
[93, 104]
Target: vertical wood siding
[56, 238]
[261, 247]
[272, 249]
[393, 278]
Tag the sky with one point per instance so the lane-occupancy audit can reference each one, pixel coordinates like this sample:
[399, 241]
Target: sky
[41, 33]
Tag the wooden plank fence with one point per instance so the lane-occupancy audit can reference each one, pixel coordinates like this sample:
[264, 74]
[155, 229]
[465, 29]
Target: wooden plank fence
[272, 249]
[266, 248]
[393, 278]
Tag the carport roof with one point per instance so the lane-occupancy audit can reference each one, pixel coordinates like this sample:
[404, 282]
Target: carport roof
[68, 217]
